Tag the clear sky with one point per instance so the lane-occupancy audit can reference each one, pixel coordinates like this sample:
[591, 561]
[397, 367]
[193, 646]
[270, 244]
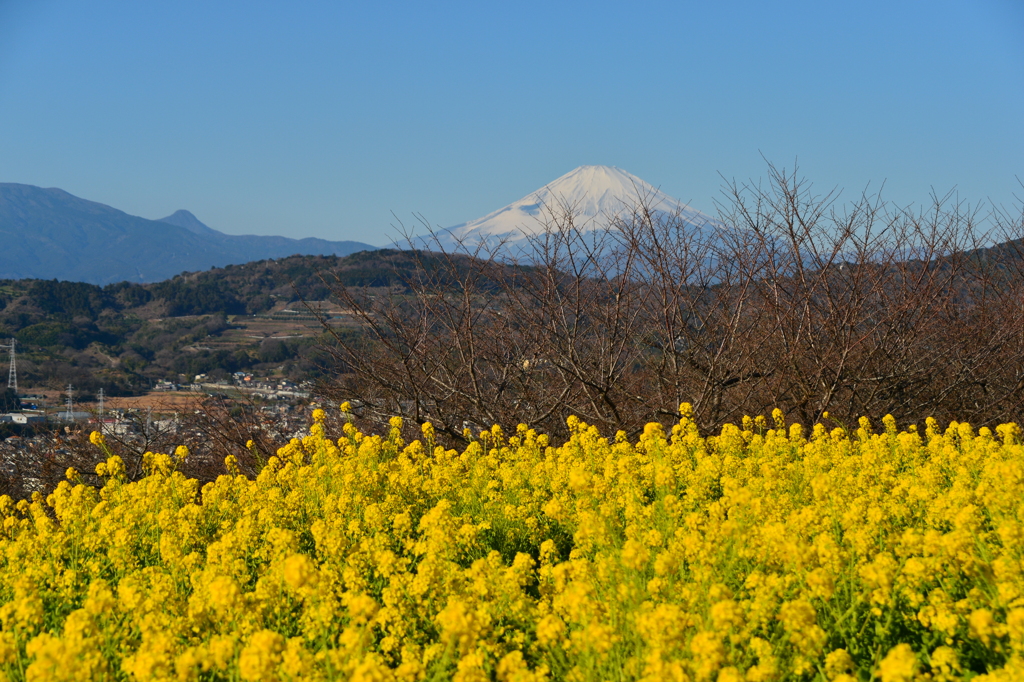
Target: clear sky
[322, 118]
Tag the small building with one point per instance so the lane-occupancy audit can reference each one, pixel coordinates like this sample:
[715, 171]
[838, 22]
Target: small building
[26, 418]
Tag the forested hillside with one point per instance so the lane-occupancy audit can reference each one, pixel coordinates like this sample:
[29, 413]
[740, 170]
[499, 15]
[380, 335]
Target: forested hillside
[125, 336]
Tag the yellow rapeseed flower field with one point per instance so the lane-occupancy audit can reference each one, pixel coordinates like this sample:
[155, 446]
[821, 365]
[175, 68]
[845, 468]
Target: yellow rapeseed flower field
[761, 553]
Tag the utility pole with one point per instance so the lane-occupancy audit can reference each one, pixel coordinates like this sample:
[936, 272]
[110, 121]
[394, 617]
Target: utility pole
[101, 409]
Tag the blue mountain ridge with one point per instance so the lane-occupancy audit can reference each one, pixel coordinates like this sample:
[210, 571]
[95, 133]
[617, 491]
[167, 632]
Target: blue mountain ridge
[51, 234]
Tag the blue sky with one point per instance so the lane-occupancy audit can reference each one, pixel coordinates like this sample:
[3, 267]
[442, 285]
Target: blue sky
[323, 119]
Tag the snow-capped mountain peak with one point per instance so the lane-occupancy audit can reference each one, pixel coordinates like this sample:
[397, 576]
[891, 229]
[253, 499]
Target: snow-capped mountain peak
[595, 194]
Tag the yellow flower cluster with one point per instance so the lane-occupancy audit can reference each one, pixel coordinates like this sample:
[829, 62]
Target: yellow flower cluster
[761, 553]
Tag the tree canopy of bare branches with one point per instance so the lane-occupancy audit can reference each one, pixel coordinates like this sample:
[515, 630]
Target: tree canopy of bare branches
[790, 299]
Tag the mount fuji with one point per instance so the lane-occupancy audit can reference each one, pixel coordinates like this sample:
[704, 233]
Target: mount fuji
[596, 196]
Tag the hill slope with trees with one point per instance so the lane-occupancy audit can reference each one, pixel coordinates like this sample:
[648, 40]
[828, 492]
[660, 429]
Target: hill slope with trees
[124, 336]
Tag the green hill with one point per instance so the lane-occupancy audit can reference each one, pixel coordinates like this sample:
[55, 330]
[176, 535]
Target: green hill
[124, 336]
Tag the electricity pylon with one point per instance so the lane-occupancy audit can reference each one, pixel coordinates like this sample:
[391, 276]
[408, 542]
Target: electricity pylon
[12, 373]
[69, 415]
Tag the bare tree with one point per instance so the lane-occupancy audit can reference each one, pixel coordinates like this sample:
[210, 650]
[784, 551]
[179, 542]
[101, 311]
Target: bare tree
[789, 300]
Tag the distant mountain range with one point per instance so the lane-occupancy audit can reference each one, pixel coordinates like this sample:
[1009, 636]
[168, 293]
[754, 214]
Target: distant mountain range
[50, 234]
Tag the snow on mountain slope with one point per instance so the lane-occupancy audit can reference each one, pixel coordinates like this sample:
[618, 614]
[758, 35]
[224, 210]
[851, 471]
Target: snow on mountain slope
[596, 195]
